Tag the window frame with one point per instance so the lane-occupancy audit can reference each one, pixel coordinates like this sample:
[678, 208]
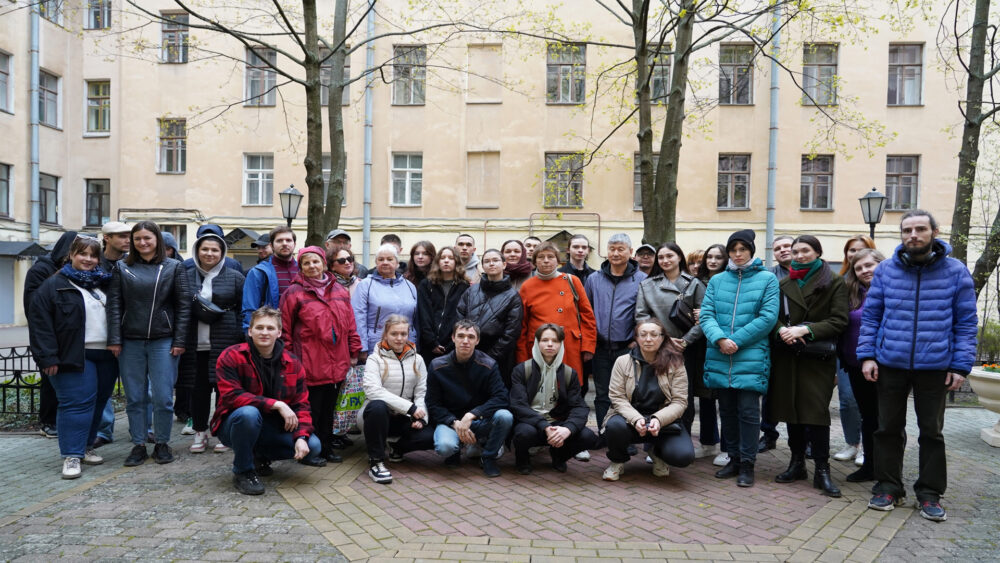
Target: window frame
[406, 74]
[172, 147]
[731, 183]
[820, 86]
[104, 204]
[814, 175]
[46, 96]
[891, 203]
[662, 61]
[98, 14]
[6, 83]
[6, 188]
[174, 37]
[264, 177]
[562, 178]
[734, 67]
[44, 199]
[900, 78]
[409, 179]
[326, 76]
[575, 72]
[103, 108]
[257, 71]
[51, 10]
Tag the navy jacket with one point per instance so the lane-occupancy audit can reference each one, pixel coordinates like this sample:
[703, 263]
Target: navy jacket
[454, 389]
[613, 299]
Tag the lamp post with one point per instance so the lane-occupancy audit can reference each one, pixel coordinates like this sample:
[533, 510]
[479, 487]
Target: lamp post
[872, 207]
[290, 201]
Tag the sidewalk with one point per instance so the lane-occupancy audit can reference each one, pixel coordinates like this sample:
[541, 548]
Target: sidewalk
[188, 510]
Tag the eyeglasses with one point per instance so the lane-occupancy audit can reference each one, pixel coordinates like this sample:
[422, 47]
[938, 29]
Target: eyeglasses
[344, 260]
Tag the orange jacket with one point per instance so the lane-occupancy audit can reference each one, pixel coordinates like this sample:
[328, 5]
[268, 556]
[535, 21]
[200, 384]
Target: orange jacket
[551, 301]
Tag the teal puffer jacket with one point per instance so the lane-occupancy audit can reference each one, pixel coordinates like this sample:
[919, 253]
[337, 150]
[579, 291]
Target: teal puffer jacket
[741, 306]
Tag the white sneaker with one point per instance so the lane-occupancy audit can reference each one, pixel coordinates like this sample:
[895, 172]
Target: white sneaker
[200, 443]
[706, 451]
[583, 456]
[91, 458]
[219, 448]
[71, 468]
[379, 473]
[848, 453]
[860, 459]
[649, 459]
[188, 427]
[614, 471]
[660, 467]
[721, 460]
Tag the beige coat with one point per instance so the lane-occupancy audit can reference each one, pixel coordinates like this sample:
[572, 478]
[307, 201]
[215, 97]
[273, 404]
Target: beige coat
[624, 375]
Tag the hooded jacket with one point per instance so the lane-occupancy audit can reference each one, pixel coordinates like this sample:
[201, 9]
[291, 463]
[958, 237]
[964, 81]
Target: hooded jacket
[46, 266]
[569, 410]
[375, 299]
[171, 242]
[399, 382]
[260, 288]
[920, 316]
[211, 228]
[320, 330]
[613, 300]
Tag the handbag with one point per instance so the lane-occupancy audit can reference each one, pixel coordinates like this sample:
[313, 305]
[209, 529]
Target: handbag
[206, 311]
[817, 349]
[681, 314]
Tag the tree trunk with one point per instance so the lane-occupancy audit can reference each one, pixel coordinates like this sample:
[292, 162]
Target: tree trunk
[969, 153]
[314, 128]
[659, 205]
[335, 114]
[640, 17]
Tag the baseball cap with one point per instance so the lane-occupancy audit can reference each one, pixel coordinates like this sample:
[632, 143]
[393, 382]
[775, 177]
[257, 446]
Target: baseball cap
[338, 233]
[648, 247]
[262, 240]
[115, 227]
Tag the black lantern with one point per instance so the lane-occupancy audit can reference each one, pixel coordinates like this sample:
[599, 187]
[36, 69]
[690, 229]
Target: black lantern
[872, 207]
[290, 201]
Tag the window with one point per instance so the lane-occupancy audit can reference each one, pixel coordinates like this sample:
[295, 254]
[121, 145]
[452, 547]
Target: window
[483, 179]
[179, 232]
[51, 10]
[637, 180]
[902, 175]
[734, 181]
[5, 178]
[905, 68]
[98, 14]
[5, 83]
[174, 45]
[735, 74]
[173, 146]
[328, 173]
[819, 74]
[261, 79]
[48, 193]
[565, 73]
[817, 183]
[659, 71]
[409, 75]
[98, 202]
[407, 178]
[258, 179]
[326, 77]
[485, 74]
[563, 180]
[98, 106]
[48, 99]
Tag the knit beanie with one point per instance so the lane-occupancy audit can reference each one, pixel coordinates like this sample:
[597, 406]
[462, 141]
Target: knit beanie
[746, 236]
[314, 250]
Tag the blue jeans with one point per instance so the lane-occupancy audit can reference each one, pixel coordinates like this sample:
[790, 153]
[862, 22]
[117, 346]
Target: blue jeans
[604, 362]
[850, 415]
[490, 433]
[148, 375]
[81, 395]
[740, 412]
[251, 434]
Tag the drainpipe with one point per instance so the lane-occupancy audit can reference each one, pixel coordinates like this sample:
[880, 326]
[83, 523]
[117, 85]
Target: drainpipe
[772, 147]
[33, 102]
[366, 228]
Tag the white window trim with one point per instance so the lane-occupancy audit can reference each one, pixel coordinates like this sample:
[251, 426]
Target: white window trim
[86, 110]
[59, 97]
[262, 100]
[920, 164]
[105, 10]
[833, 186]
[11, 89]
[749, 155]
[923, 75]
[11, 189]
[753, 77]
[243, 179]
[159, 149]
[836, 64]
[422, 178]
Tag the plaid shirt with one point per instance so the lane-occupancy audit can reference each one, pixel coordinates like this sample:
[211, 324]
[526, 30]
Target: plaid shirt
[240, 385]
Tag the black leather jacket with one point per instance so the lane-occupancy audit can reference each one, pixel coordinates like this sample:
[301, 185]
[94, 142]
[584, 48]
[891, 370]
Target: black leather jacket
[496, 307]
[149, 301]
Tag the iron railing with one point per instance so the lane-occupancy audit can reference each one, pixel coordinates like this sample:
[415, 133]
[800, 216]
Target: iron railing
[19, 381]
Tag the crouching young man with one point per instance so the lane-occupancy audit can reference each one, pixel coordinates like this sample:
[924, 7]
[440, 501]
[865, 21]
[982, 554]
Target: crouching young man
[467, 400]
[263, 411]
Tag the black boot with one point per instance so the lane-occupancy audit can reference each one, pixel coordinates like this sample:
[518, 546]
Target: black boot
[746, 474]
[796, 470]
[823, 482]
[731, 469]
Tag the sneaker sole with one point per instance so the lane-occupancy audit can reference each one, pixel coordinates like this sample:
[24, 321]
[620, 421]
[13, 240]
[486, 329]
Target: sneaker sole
[898, 502]
[381, 480]
[610, 478]
[85, 462]
[70, 477]
[197, 450]
[129, 463]
[926, 516]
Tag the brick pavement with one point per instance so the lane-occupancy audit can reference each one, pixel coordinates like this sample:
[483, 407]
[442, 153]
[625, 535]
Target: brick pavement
[187, 510]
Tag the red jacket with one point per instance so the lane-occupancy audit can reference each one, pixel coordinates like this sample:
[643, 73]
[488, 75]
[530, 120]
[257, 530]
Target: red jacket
[239, 386]
[320, 330]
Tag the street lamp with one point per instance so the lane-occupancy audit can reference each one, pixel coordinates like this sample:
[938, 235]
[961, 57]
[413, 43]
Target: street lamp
[872, 207]
[290, 201]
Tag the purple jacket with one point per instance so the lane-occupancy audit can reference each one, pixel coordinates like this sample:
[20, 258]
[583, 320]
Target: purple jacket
[848, 347]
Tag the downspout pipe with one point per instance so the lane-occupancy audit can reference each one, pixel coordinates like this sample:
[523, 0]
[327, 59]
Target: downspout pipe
[34, 22]
[772, 146]
[366, 228]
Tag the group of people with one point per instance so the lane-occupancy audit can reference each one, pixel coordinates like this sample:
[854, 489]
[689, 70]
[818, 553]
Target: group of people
[483, 353]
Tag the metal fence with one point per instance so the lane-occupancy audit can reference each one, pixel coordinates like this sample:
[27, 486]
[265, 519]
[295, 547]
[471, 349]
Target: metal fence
[19, 381]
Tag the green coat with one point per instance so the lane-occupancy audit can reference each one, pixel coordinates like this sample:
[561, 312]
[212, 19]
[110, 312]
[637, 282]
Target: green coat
[801, 387]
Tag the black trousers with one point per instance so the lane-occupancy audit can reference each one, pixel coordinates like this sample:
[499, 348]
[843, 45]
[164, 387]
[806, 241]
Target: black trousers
[866, 395]
[676, 449]
[322, 404]
[929, 397]
[528, 436]
[381, 422]
[201, 395]
[48, 403]
[817, 435]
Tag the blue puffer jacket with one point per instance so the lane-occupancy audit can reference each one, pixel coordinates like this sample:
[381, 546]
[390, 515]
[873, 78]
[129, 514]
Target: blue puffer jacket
[259, 289]
[920, 317]
[375, 299]
[741, 306]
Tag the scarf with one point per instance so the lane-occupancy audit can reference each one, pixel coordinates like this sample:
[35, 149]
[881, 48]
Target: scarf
[268, 368]
[320, 284]
[548, 388]
[346, 282]
[87, 279]
[546, 277]
[802, 272]
[732, 267]
[522, 268]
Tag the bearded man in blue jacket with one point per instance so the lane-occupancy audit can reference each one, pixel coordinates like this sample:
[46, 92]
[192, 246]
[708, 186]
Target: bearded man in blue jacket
[918, 332]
